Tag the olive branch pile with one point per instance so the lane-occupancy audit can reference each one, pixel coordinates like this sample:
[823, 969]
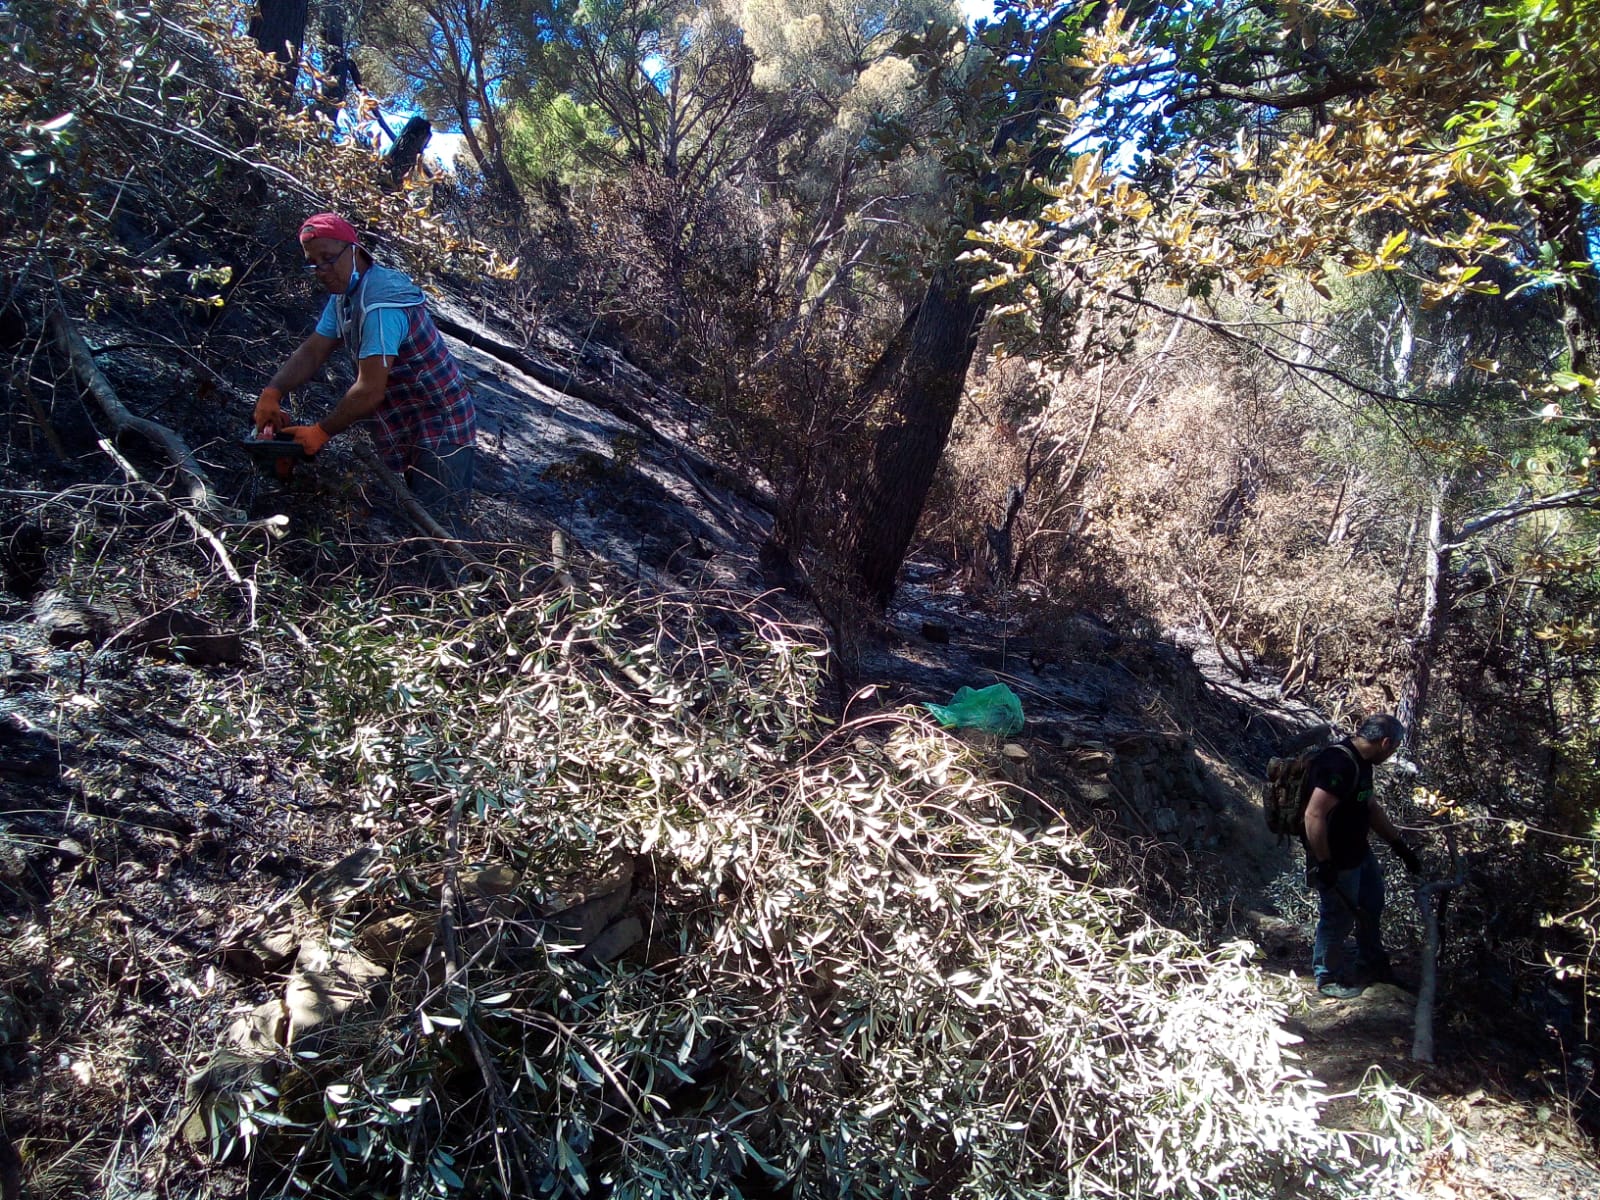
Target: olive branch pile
[858, 974]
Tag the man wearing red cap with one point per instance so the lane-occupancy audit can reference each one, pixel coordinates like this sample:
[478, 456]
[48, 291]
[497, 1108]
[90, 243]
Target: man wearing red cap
[407, 382]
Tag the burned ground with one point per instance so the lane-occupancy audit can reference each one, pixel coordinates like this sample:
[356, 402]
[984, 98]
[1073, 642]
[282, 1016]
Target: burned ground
[147, 815]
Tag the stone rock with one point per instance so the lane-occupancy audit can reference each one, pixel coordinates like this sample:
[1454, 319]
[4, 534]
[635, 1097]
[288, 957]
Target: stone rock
[23, 550]
[67, 620]
[246, 1054]
[614, 942]
[185, 636]
[333, 885]
[1094, 762]
[489, 881]
[325, 986]
[262, 951]
[583, 923]
[397, 938]
[265, 941]
[1275, 936]
[27, 749]
[616, 873]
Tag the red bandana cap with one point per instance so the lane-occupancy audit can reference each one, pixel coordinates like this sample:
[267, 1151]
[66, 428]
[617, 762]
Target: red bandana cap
[328, 225]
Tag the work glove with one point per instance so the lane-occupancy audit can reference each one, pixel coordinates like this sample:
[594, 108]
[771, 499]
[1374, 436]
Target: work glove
[269, 410]
[310, 437]
[1324, 875]
[1408, 856]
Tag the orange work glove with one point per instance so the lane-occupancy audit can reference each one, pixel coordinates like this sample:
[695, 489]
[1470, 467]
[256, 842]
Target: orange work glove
[311, 437]
[269, 409]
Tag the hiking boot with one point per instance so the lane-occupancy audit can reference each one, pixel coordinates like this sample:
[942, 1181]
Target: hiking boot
[1332, 989]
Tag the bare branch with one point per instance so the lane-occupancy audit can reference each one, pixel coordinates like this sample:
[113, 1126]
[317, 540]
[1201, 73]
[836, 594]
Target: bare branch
[1230, 331]
[1335, 89]
[123, 421]
[1574, 498]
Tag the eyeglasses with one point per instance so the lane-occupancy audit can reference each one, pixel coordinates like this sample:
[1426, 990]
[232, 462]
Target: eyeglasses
[313, 265]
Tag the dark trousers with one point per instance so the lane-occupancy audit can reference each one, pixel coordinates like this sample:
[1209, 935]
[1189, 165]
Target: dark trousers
[1357, 904]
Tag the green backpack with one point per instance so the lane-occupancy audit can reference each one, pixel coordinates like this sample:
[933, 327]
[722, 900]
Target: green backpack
[1286, 791]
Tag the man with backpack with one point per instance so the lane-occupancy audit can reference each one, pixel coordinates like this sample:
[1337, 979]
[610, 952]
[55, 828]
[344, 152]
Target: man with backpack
[1340, 811]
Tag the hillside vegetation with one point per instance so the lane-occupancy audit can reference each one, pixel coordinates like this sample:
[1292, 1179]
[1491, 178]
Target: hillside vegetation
[617, 867]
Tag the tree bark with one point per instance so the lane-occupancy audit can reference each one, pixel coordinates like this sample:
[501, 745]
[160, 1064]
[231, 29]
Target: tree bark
[1431, 898]
[923, 390]
[407, 148]
[339, 71]
[926, 383]
[1580, 297]
[1442, 543]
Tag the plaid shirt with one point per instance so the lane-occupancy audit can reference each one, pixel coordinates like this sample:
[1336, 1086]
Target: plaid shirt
[426, 404]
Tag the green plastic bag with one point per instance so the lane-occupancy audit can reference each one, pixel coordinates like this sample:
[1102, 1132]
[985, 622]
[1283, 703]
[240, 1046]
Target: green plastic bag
[993, 709]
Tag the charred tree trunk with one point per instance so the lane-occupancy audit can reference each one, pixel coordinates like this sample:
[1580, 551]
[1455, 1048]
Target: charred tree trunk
[1431, 899]
[339, 71]
[407, 148]
[279, 28]
[925, 388]
[1001, 539]
[1580, 297]
[921, 375]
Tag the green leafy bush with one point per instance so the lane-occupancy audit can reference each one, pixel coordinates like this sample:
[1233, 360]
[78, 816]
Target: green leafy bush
[860, 976]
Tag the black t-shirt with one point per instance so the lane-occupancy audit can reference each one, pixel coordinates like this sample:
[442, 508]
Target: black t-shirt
[1341, 771]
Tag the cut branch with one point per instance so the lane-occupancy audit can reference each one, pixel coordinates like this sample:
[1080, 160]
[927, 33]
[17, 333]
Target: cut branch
[200, 531]
[420, 516]
[123, 421]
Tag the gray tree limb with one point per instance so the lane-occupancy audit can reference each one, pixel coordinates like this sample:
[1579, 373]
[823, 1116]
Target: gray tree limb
[1572, 498]
[123, 421]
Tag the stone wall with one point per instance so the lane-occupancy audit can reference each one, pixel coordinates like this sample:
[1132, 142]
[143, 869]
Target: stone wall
[1153, 783]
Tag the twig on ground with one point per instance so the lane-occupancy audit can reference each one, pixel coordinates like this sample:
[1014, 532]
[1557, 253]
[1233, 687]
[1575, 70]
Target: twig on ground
[494, 1086]
[41, 419]
[218, 550]
[419, 515]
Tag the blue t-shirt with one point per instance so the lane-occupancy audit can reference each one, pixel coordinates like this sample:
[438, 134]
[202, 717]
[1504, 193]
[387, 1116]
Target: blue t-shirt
[381, 333]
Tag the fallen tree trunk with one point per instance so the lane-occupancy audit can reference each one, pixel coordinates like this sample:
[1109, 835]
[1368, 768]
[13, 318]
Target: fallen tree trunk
[549, 375]
[123, 421]
[562, 381]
